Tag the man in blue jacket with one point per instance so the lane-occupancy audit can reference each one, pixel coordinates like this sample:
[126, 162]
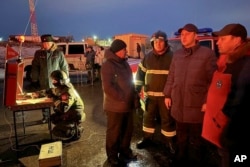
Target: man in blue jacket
[185, 92]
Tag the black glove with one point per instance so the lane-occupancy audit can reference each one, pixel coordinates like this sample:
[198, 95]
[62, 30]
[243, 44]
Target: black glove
[49, 93]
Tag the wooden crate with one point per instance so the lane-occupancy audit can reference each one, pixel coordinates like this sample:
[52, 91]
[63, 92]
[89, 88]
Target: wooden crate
[51, 154]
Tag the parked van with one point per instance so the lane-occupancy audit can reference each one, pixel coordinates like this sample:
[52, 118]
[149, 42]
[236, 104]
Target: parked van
[74, 54]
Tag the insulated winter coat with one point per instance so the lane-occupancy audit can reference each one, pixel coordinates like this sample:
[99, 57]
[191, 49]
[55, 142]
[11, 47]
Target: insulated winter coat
[189, 77]
[44, 63]
[117, 83]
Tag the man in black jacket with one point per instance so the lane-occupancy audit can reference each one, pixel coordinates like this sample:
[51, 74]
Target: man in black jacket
[118, 88]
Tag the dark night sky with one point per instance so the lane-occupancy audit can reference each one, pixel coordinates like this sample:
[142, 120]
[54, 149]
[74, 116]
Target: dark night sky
[106, 18]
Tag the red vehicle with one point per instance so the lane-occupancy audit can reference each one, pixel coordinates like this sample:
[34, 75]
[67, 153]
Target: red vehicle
[133, 64]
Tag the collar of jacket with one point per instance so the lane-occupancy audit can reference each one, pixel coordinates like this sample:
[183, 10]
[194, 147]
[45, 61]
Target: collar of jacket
[110, 55]
[241, 51]
[191, 50]
[162, 53]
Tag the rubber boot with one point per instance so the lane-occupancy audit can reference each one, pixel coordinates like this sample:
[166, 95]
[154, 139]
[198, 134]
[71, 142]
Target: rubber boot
[146, 141]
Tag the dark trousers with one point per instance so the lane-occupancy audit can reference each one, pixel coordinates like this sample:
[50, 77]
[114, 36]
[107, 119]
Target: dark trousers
[90, 74]
[119, 133]
[232, 157]
[45, 113]
[192, 149]
[156, 109]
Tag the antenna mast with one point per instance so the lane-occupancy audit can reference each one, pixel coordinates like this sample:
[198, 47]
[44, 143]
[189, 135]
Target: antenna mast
[33, 24]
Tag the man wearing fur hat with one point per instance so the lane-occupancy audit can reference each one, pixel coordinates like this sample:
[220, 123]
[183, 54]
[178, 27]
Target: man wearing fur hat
[228, 97]
[118, 103]
[152, 74]
[46, 60]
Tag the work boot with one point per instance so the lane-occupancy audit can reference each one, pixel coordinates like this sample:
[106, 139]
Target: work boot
[146, 141]
[127, 157]
[45, 120]
[170, 145]
[113, 161]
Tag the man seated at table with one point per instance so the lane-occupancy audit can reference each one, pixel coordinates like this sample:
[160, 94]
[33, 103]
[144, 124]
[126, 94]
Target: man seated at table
[68, 107]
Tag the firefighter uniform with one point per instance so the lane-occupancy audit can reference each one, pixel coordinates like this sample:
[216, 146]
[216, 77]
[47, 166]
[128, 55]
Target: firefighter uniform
[152, 75]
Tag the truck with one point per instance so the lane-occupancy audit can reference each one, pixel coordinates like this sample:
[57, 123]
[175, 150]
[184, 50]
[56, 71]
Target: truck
[74, 54]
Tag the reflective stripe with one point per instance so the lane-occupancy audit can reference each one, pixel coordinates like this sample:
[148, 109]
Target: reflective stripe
[157, 71]
[138, 82]
[149, 130]
[168, 134]
[142, 68]
[150, 93]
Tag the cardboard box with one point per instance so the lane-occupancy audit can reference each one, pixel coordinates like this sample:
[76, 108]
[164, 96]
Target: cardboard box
[51, 154]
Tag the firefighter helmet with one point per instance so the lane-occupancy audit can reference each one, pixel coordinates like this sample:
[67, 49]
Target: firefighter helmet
[159, 35]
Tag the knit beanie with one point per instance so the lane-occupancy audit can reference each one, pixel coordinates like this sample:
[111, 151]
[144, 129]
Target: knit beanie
[117, 45]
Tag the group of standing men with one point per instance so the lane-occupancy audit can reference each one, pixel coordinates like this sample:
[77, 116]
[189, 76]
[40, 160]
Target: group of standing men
[179, 89]
[176, 85]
